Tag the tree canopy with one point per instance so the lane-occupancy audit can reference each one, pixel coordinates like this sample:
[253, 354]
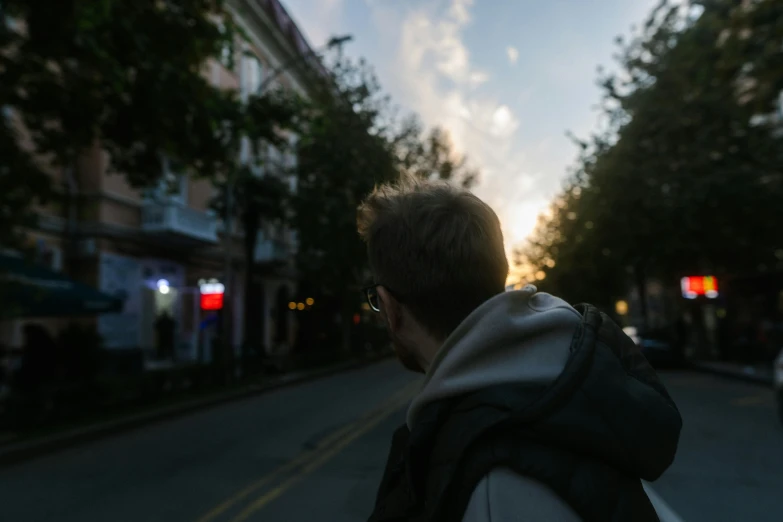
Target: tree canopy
[686, 178]
[345, 149]
[127, 75]
[432, 155]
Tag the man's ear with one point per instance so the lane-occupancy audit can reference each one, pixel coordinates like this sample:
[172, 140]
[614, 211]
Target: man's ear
[390, 309]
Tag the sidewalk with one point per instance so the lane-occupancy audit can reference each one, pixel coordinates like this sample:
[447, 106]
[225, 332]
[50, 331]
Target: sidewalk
[759, 374]
[13, 451]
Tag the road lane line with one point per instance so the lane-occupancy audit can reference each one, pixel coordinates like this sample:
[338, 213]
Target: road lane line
[266, 479]
[302, 458]
[319, 461]
[665, 512]
[752, 400]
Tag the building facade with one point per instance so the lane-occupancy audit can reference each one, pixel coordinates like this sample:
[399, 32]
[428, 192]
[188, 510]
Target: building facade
[155, 247]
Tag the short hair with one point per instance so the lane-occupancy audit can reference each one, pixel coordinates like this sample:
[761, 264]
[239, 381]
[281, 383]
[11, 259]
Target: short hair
[436, 247]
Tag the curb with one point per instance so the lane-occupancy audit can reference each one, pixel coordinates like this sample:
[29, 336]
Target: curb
[15, 453]
[739, 375]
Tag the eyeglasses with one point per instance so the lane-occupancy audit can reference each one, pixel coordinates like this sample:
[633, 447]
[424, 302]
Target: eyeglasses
[373, 299]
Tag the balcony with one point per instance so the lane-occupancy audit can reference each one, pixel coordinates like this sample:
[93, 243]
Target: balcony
[271, 251]
[176, 221]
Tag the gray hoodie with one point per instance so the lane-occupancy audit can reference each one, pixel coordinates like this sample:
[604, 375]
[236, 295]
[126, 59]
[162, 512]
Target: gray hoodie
[519, 336]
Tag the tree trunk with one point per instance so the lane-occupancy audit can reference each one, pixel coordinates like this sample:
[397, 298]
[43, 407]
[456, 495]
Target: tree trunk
[227, 347]
[253, 331]
[70, 218]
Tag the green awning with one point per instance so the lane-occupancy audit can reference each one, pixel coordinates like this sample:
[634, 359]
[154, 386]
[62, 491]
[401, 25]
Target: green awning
[28, 290]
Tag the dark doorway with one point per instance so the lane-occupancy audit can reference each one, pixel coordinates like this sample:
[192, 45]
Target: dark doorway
[255, 315]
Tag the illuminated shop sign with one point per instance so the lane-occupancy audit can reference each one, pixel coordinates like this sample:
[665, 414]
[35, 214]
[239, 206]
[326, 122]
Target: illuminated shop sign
[694, 286]
[212, 295]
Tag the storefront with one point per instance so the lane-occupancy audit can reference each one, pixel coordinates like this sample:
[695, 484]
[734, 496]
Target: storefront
[157, 304]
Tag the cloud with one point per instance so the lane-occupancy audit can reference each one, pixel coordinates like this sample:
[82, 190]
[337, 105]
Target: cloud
[434, 76]
[423, 61]
[477, 78]
[503, 121]
[438, 41]
[512, 53]
[459, 10]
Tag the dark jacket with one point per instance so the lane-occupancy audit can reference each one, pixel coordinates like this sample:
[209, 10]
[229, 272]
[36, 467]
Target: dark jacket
[587, 438]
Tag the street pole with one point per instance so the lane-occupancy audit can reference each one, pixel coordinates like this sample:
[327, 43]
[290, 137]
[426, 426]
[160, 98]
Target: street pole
[227, 345]
[229, 195]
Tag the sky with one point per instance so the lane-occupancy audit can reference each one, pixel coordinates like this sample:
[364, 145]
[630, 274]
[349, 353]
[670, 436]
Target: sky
[506, 78]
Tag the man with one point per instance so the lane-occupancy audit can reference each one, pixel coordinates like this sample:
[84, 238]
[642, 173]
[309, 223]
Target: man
[531, 410]
[165, 327]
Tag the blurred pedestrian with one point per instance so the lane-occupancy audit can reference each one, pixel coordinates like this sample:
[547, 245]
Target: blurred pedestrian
[531, 409]
[164, 327]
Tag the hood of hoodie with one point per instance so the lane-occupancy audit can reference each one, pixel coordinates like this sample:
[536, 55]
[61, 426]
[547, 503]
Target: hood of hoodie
[565, 375]
[519, 336]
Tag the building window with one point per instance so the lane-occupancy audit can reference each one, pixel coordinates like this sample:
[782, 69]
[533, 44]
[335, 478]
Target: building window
[173, 185]
[253, 75]
[177, 179]
[49, 256]
[292, 156]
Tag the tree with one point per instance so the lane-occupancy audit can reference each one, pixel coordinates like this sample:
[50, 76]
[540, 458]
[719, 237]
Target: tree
[432, 156]
[345, 149]
[125, 75]
[23, 182]
[260, 186]
[260, 200]
[682, 181]
[24, 185]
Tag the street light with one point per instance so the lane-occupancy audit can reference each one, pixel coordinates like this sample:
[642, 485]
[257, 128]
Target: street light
[335, 41]
[163, 286]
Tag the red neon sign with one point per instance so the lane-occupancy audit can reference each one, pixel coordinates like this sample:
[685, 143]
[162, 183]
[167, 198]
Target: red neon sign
[211, 301]
[694, 286]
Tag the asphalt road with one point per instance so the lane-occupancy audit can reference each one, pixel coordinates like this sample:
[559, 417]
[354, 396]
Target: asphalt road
[729, 466]
[316, 452]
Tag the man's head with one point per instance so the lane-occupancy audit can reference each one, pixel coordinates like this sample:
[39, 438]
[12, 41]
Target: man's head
[436, 252]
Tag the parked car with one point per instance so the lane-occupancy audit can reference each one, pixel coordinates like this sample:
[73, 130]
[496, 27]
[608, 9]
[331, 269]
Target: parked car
[658, 347]
[778, 376]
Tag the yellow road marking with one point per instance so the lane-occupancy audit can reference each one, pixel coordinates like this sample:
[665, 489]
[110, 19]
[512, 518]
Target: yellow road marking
[319, 461]
[751, 400]
[402, 395]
